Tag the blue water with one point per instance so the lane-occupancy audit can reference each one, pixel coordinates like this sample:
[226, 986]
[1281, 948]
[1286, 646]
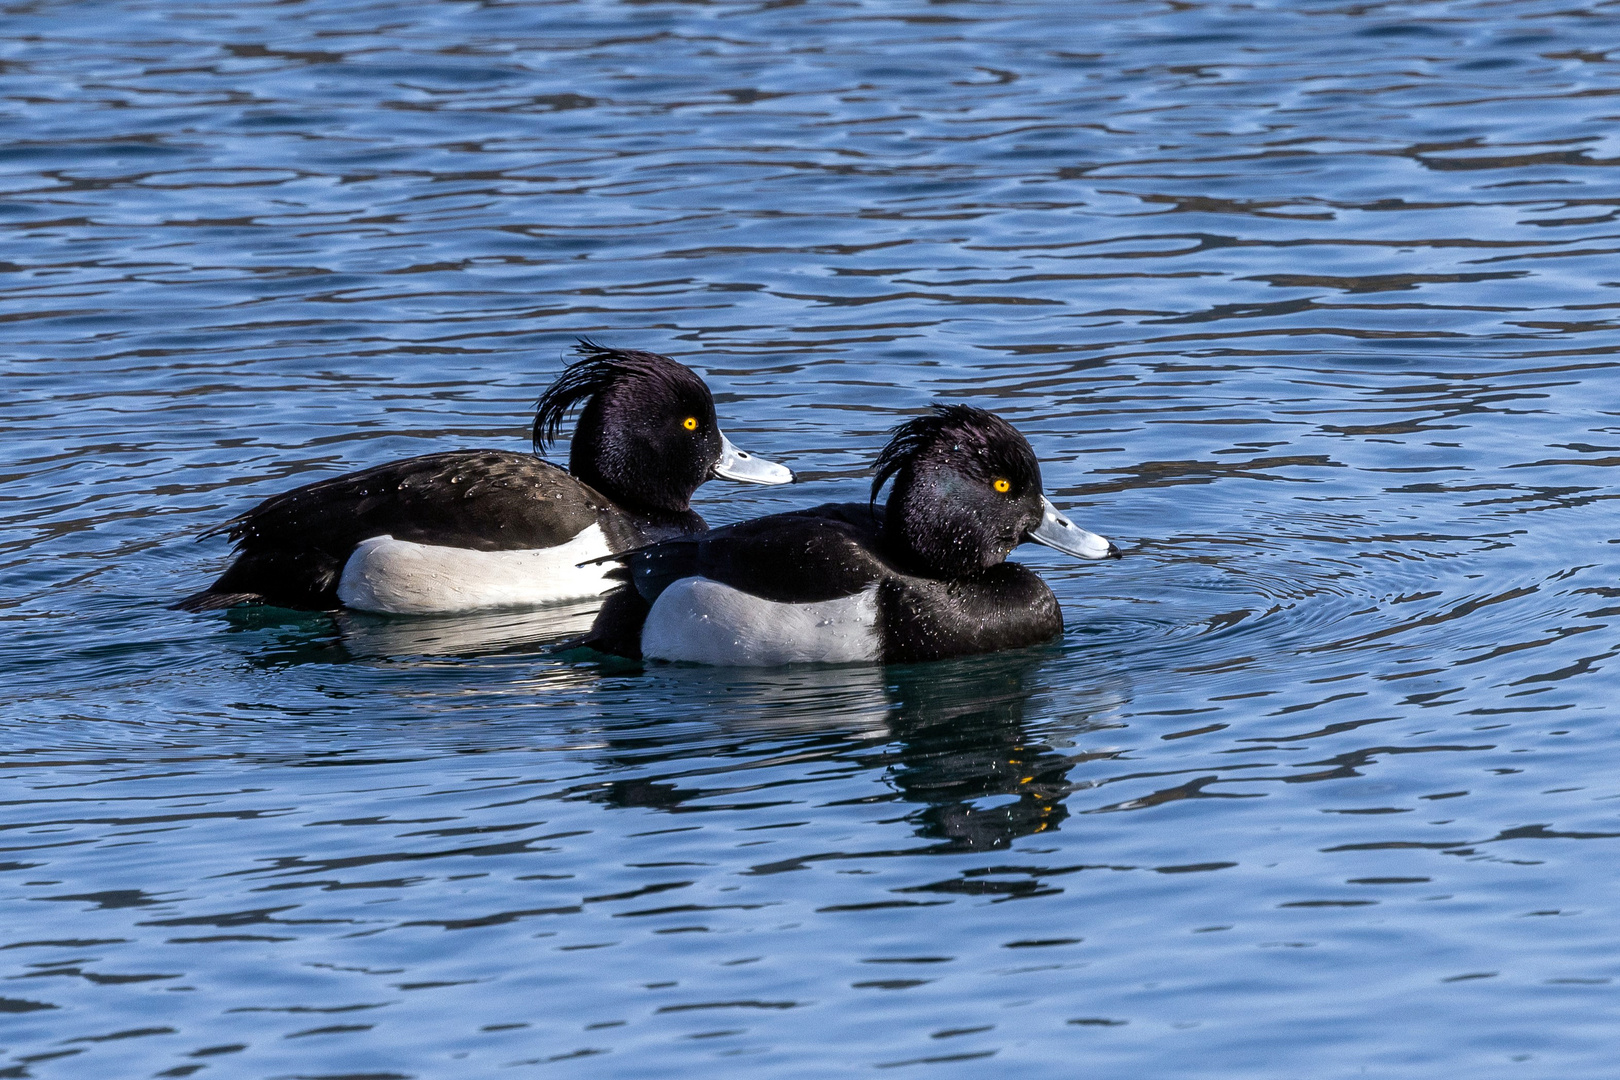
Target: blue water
[1310, 307]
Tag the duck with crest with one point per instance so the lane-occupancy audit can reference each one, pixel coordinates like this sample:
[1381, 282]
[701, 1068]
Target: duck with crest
[923, 578]
[469, 530]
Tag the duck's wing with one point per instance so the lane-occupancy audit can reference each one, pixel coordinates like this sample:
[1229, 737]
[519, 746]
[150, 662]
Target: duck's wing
[804, 556]
[486, 500]
[292, 547]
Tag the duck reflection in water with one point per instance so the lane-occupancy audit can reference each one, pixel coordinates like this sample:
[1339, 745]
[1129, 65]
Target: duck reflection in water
[968, 755]
[280, 637]
[954, 737]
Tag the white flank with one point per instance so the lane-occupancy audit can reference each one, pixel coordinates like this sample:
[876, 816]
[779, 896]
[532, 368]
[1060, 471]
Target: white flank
[704, 622]
[396, 577]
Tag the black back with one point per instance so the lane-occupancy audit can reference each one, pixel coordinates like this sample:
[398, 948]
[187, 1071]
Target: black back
[799, 557]
[479, 499]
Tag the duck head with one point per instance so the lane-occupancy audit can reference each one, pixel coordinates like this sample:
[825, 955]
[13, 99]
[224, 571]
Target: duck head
[647, 434]
[967, 490]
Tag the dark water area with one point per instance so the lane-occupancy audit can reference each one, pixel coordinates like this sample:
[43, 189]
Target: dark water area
[1310, 307]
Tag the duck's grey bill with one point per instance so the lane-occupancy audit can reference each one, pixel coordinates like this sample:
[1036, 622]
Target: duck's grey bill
[1057, 531]
[735, 464]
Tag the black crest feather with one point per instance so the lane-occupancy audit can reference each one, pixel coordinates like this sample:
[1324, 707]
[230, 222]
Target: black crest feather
[916, 435]
[597, 368]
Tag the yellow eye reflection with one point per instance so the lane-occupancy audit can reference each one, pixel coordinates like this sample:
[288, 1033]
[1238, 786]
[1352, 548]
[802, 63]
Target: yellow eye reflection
[1002, 485]
[690, 423]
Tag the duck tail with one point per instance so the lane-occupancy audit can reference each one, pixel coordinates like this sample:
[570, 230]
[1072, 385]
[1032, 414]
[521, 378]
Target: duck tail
[209, 600]
[617, 629]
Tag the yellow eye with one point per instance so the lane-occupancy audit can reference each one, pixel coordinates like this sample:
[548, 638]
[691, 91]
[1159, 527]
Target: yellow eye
[1001, 485]
[690, 423]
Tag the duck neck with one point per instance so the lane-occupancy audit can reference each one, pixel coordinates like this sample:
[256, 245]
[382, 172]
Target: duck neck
[636, 477]
[927, 534]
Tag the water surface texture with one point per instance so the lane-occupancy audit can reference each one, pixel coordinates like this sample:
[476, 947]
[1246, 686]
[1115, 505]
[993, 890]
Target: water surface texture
[1310, 306]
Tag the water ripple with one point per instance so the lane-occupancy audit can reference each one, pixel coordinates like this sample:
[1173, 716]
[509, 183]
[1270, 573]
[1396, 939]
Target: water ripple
[1310, 308]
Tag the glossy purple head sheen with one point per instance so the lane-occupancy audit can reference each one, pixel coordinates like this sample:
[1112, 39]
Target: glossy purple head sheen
[647, 435]
[947, 515]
